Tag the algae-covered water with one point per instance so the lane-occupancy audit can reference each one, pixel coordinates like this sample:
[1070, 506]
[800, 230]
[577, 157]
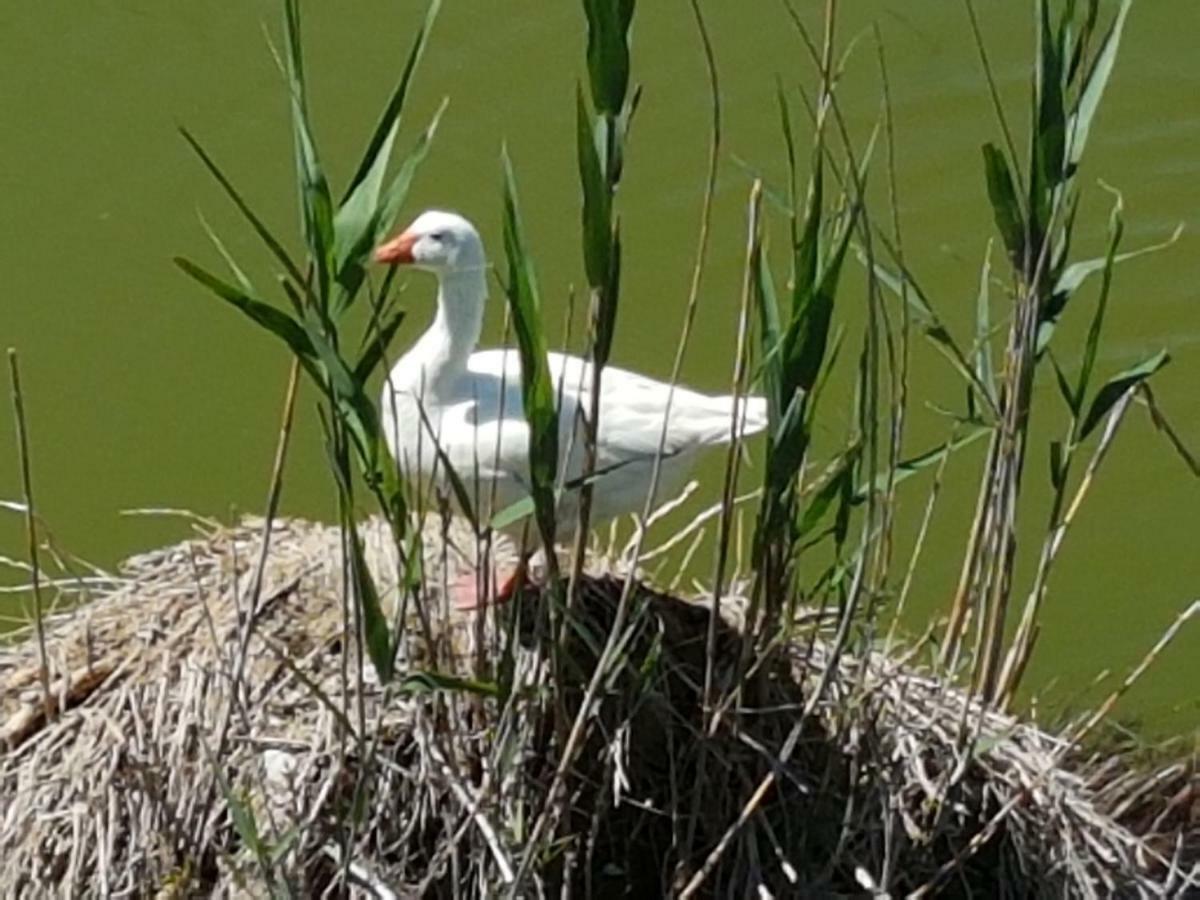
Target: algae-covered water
[142, 392]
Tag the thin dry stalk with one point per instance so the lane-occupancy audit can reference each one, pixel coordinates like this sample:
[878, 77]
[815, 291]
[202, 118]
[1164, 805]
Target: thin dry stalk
[18, 401]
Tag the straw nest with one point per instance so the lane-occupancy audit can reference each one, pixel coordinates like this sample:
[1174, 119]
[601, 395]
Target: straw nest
[183, 753]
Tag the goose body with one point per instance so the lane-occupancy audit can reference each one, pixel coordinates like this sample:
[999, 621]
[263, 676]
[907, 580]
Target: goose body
[468, 401]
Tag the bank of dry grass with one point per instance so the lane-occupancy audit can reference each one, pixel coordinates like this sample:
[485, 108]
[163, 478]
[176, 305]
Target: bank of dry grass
[184, 754]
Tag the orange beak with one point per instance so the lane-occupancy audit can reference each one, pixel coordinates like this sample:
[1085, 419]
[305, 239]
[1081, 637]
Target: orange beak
[397, 251]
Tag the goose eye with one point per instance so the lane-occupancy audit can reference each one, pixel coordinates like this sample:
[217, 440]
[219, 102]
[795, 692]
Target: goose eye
[439, 236]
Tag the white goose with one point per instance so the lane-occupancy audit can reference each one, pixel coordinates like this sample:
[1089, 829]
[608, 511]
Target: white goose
[470, 401]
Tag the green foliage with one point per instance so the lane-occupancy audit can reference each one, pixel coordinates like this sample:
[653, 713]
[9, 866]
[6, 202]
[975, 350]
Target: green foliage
[537, 388]
[608, 52]
[338, 243]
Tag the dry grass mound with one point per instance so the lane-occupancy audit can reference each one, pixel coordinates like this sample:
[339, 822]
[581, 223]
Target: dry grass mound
[194, 747]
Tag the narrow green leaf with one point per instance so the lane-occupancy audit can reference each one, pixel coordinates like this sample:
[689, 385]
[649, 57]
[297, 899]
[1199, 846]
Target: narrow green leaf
[256, 223]
[931, 325]
[376, 633]
[789, 143]
[1096, 83]
[907, 468]
[316, 203]
[983, 330]
[277, 322]
[376, 347]
[512, 514]
[1092, 346]
[537, 391]
[1074, 403]
[368, 178]
[597, 199]
[1050, 129]
[358, 223]
[830, 489]
[397, 190]
[606, 316]
[1057, 471]
[767, 304]
[807, 349]
[806, 254]
[1117, 386]
[1006, 209]
[1074, 275]
[608, 52]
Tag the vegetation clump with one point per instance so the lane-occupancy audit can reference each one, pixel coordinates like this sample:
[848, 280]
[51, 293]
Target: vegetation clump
[158, 774]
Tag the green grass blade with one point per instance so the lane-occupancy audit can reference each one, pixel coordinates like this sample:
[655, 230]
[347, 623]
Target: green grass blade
[512, 514]
[1095, 84]
[1050, 129]
[1116, 229]
[831, 488]
[983, 329]
[273, 320]
[1074, 275]
[376, 632]
[256, 223]
[537, 391]
[376, 347]
[1006, 209]
[396, 192]
[907, 468]
[806, 254]
[808, 348]
[356, 221]
[316, 204]
[608, 52]
[357, 237]
[1073, 400]
[368, 178]
[597, 199]
[1116, 387]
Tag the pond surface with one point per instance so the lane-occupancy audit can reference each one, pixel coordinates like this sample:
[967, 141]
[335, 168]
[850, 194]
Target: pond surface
[144, 393]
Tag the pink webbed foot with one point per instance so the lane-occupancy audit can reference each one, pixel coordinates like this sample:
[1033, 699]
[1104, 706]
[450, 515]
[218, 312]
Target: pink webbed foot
[466, 594]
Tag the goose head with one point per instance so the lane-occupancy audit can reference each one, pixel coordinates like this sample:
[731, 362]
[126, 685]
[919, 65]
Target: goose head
[436, 241]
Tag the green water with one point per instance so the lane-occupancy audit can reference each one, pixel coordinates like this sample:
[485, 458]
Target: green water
[143, 393]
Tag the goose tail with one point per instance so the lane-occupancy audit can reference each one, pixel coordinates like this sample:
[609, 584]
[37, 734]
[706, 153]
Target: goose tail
[754, 414]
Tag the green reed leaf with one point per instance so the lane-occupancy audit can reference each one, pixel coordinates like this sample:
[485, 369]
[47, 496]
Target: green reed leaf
[812, 323]
[1117, 386]
[537, 390]
[368, 178]
[256, 223]
[1006, 209]
[1095, 83]
[316, 204]
[807, 253]
[1050, 127]
[839, 479]
[1074, 275]
[597, 198]
[1116, 229]
[907, 468]
[608, 52]
[1058, 471]
[396, 192]
[376, 347]
[273, 320]
[376, 632]
[984, 370]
